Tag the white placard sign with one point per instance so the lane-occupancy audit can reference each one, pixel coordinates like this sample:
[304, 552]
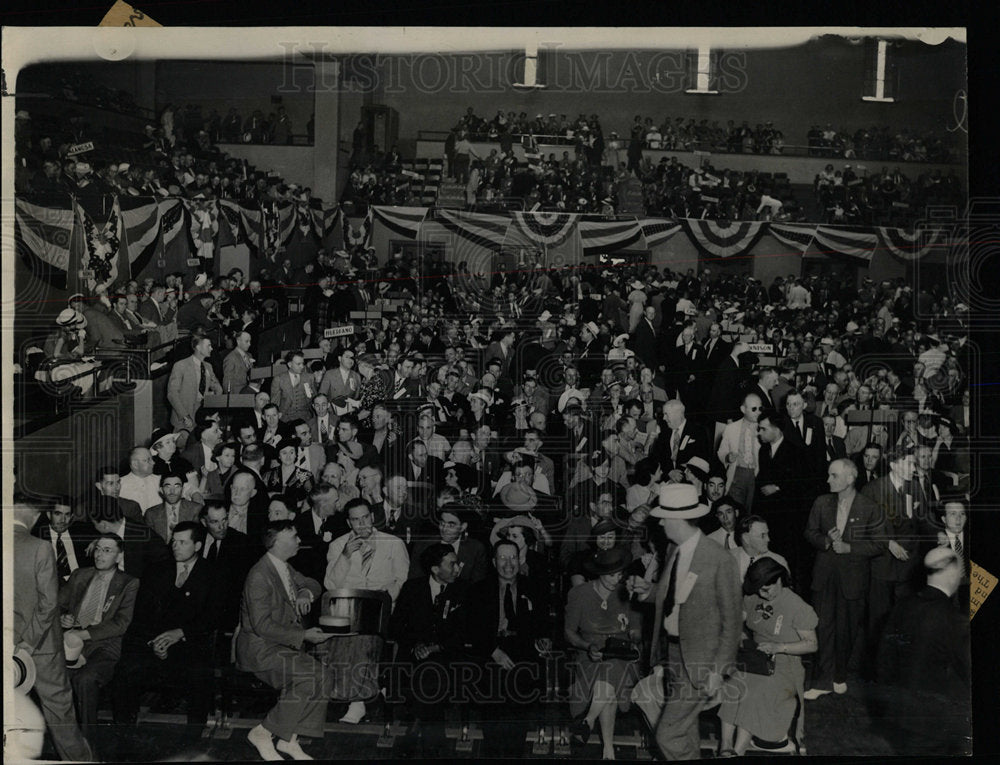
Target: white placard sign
[338, 331]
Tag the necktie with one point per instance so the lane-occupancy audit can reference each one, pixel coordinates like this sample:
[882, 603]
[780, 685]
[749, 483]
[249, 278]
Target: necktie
[301, 461]
[202, 385]
[675, 442]
[728, 537]
[508, 607]
[213, 549]
[182, 575]
[439, 602]
[958, 547]
[668, 603]
[802, 429]
[323, 430]
[90, 609]
[171, 519]
[366, 558]
[294, 378]
[829, 448]
[62, 558]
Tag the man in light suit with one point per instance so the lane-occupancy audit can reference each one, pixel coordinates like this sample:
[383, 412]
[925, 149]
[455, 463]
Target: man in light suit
[844, 529]
[190, 380]
[682, 441]
[739, 449]
[323, 426]
[292, 391]
[342, 383]
[162, 518]
[311, 457]
[270, 643]
[237, 364]
[698, 609]
[37, 630]
[97, 605]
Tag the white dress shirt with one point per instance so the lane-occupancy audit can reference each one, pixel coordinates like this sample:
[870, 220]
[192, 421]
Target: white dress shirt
[145, 491]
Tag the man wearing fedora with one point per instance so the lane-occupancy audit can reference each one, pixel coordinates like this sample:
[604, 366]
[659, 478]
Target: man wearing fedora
[37, 631]
[699, 606]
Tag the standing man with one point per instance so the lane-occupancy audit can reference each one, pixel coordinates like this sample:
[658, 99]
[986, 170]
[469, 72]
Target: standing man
[738, 451]
[292, 391]
[37, 631]
[270, 645]
[844, 528]
[237, 364]
[190, 380]
[779, 479]
[698, 610]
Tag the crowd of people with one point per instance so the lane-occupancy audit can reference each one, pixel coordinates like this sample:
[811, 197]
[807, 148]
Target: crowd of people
[880, 143]
[584, 464]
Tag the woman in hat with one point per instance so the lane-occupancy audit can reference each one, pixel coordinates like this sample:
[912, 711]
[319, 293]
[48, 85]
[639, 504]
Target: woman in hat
[527, 533]
[784, 627]
[287, 478]
[596, 611]
[604, 536]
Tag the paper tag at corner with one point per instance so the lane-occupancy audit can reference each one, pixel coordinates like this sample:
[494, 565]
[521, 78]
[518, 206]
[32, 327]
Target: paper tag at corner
[124, 15]
[981, 584]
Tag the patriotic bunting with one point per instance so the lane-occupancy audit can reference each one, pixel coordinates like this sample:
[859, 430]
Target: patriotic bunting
[43, 236]
[723, 240]
[362, 235]
[794, 235]
[656, 231]
[599, 235]
[405, 221]
[252, 226]
[480, 229]
[908, 246]
[855, 241]
[204, 215]
[101, 257]
[141, 222]
[229, 219]
[324, 219]
[173, 218]
[543, 228]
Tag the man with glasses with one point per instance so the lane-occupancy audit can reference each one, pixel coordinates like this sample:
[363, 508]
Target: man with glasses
[342, 385]
[739, 450]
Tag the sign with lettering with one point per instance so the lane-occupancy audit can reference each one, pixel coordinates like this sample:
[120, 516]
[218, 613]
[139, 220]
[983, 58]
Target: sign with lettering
[761, 347]
[338, 331]
[630, 197]
[193, 262]
[80, 148]
[981, 585]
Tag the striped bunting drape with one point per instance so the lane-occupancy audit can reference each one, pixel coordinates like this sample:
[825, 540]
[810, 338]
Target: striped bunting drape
[907, 246]
[656, 231]
[101, 257]
[229, 217]
[723, 241]
[856, 241]
[405, 221]
[599, 235]
[794, 235]
[324, 219]
[173, 218]
[252, 222]
[478, 228]
[43, 236]
[141, 221]
[543, 228]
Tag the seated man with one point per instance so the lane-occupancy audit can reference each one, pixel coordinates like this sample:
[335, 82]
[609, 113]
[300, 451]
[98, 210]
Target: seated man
[67, 537]
[753, 536]
[270, 643]
[96, 605]
[232, 553]
[453, 525]
[365, 559]
[174, 509]
[427, 623]
[170, 634]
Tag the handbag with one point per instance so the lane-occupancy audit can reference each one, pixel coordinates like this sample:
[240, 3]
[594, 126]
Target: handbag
[620, 648]
[752, 660]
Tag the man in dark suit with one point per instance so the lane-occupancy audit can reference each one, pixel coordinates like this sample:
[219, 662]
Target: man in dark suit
[175, 615]
[400, 514]
[39, 632]
[108, 484]
[685, 364]
[834, 447]
[452, 524]
[869, 465]
[204, 438]
[643, 339]
[894, 569]
[780, 482]
[275, 599]
[806, 432]
[948, 529]
[174, 509]
[141, 546]
[96, 605]
[844, 528]
[681, 441]
[730, 379]
[428, 625]
[232, 553]
[422, 467]
[317, 527]
[68, 538]
[925, 668]
[716, 349]
[508, 630]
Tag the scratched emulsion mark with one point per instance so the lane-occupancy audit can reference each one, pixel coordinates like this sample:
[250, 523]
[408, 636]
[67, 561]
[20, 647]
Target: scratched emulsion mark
[982, 584]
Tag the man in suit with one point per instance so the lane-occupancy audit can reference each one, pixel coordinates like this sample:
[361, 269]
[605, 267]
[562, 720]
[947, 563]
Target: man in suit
[452, 525]
[311, 457]
[292, 390]
[698, 609]
[175, 614]
[317, 527]
[767, 381]
[894, 568]
[739, 451]
[421, 466]
[342, 383]
[869, 465]
[806, 432]
[779, 483]
[323, 425]
[754, 537]
[270, 644]
[716, 349]
[231, 553]
[925, 668]
[191, 379]
[948, 529]
[154, 309]
[96, 605]
[428, 624]
[39, 632]
[682, 441]
[274, 430]
[643, 339]
[728, 384]
[362, 454]
[508, 633]
[140, 548]
[201, 445]
[834, 448]
[368, 559]
[68, 537]
[501, 349]
[108, 484]
[162, 518]
[844, 529]
[398, 514]
[237, 364]
[686, 365]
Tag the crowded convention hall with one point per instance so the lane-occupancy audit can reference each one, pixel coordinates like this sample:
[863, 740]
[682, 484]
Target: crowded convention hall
[559, 403]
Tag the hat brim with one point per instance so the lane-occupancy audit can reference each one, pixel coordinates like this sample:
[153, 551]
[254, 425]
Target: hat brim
[698, 511]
